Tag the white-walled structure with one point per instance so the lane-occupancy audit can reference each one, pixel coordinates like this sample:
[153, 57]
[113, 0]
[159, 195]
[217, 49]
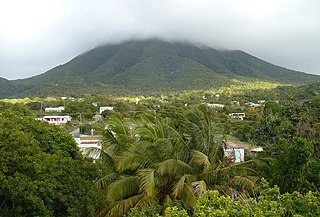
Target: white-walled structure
[54, 109]
[85, 144]
[215, 105]
[234, 151]
[237, 115]
[102, 109]
[57, 120]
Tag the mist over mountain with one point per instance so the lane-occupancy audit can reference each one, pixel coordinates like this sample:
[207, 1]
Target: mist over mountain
[147, 66]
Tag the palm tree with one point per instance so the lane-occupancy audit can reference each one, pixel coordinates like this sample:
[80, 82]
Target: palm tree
[149, 162]
[214, 171]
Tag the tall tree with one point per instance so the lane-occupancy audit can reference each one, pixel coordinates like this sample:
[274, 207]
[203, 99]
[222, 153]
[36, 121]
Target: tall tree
[150, 162]
[42, 172]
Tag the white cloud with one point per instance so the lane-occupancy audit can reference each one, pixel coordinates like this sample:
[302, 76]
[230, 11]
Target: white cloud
[37, 35]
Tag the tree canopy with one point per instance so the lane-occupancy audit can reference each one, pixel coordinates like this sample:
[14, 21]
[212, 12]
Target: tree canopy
[42, 172]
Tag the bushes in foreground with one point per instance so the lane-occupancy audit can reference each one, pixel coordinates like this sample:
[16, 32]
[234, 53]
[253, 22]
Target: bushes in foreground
[270, 203]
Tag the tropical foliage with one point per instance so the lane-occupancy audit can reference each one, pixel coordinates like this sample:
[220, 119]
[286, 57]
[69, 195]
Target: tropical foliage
[151, 163]
[164, 155]
[269, 203]
[42, 172]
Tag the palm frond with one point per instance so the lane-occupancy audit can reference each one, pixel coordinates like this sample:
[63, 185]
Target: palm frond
[120, 208]
[92, 152]
[147, 182]
[147, 148]
[147, 131]
[101, 156]
[180, 185]
[210, 175]
[117, 125]
[147, 201]
[132, 161]
[105, 181]
[200, 159]
[122, 188]
[165, 147]
[216, 154]
[243, 168]
[174, 167]
[189, 197]
[182, 147]
[245, 182]
[167, 200]
[109, 137]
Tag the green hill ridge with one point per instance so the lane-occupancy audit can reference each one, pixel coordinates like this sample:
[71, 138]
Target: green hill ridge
[150, 66]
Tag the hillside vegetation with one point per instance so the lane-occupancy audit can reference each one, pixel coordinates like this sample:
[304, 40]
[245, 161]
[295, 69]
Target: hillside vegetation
[165, 155]
[151, 66]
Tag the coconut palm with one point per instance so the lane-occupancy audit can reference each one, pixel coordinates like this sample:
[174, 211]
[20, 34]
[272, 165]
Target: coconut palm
[149, 162]
[214, 171]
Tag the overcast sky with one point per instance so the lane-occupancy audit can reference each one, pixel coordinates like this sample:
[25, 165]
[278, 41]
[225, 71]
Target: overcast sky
[36, 35]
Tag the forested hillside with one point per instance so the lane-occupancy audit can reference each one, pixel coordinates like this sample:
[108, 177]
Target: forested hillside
[7, 88]
[151, 66]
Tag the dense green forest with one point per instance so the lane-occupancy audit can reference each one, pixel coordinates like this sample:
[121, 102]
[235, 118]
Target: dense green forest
[163, 155]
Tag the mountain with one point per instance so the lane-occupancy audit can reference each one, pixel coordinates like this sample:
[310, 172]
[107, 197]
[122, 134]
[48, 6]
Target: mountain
[7, 88]
[151, 66]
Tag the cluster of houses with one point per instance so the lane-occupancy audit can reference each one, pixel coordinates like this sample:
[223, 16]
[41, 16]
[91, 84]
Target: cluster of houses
[233, 151]
[56, 119]
[64, 119]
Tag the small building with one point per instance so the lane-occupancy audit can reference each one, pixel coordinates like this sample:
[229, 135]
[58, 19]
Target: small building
[84, 145]
[56, 120]
[54, 109]
[252, 104]
[255, 151]
[235, 103]
[214, 105]
[239, 115]
[108, 108]
[234, 151]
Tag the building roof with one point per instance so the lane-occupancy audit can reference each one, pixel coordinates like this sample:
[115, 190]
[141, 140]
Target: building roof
[57, 116]
[89, 142]
[257, 149]
[232, 145]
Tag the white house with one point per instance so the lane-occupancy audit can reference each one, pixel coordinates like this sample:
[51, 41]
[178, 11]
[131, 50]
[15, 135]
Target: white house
[252, 104]
[57, 120]
[102, 109]
[237, 115]
[214, 105]
[85, 144]
[54, 109]
[234, 151]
